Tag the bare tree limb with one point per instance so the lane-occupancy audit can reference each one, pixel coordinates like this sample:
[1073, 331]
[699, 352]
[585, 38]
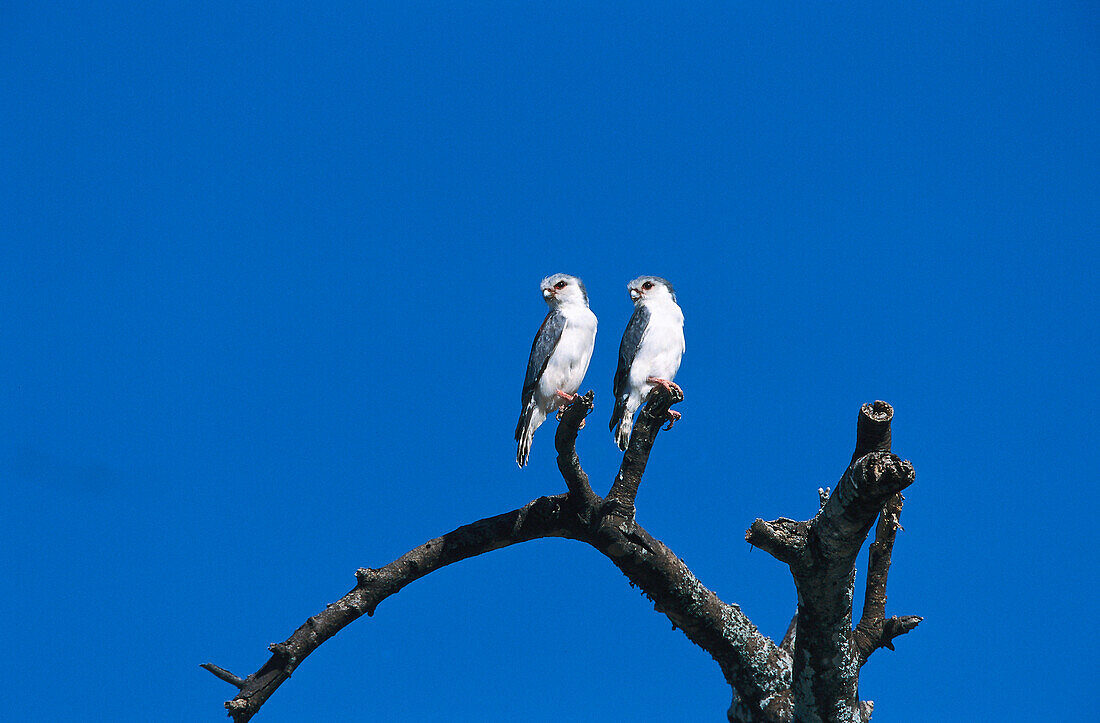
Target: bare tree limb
[821, 555]
[543, 517]
[796, 681]
[783, 539]
[874, 630]
[749, 660]
[653, 415]
[224, 674]
[752, 664]
[565, 442]
[878, 560]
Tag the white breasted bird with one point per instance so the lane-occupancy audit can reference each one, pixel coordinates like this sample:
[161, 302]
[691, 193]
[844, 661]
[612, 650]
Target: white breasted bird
[559, 357]
[650, 352]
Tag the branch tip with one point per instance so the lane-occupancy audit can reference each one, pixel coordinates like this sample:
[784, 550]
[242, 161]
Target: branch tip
[784, 539]
[575, 412]
[224, 674]
[873, 429]
[896, 626]
[565, 442]
[660, 400]
[880, 411]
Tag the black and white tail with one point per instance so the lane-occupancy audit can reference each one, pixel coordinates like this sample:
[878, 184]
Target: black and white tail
[525, 431]
[622, 422]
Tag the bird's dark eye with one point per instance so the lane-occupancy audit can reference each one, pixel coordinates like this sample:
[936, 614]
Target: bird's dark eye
[647, 285]
[560, 285]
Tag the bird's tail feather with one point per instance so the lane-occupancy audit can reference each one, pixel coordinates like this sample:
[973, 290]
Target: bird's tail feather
[621, 423]
[622, 434]
[617, 414]
[525, 432]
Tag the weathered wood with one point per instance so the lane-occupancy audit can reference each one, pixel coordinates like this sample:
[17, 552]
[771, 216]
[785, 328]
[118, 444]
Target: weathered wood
[799, 680]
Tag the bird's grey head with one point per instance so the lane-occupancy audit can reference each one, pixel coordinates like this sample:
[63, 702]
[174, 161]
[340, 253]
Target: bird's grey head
[560, 289]
[650, 288]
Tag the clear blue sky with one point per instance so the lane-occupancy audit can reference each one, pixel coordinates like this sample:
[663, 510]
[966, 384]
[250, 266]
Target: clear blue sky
[269, 280]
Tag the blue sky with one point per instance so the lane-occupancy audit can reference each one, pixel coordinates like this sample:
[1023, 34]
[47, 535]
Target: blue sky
[270, 273]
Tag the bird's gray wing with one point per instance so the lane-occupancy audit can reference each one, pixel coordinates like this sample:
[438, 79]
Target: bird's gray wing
[628, 347]
[541, 350]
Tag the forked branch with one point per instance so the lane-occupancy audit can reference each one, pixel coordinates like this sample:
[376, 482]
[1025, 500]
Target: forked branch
[821, 554]
[772, 684]
[748, 659]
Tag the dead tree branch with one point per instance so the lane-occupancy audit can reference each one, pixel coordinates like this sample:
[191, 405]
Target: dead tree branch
[771, 684]
[821, 554]
[653, 415]
[748, 659]
[565, 442]
[874, 629]
[543, 517]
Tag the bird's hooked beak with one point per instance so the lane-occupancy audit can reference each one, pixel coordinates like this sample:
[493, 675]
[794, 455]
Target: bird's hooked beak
[635, 294]
[547, 293]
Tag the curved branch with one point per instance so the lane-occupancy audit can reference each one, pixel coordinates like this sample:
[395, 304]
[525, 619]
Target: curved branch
[751, 663]
[757, 669]
[811, 677]
[543, 517]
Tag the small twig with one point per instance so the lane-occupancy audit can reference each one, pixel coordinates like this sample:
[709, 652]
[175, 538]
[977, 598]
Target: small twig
[224, 674]
[896, 626]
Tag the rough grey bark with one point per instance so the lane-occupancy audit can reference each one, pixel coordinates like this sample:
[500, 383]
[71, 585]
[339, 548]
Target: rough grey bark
[771, 684]
[821, 554]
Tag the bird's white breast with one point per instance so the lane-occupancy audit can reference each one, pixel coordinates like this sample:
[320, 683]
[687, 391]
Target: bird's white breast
[661, 348]
[566, 367]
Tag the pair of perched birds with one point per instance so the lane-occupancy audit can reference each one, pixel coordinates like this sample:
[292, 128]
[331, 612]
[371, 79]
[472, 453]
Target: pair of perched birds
[649, 354]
